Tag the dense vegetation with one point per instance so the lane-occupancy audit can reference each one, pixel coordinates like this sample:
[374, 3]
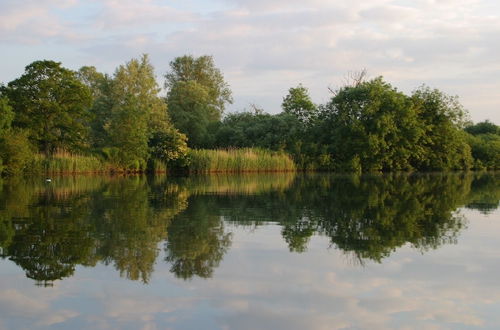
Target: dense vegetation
[238, 160]
[53, 119]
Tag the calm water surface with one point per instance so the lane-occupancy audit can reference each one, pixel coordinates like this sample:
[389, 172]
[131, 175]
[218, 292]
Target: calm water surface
[278, 251]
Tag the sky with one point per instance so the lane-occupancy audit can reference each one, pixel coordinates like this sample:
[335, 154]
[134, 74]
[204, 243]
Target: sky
[265, 47]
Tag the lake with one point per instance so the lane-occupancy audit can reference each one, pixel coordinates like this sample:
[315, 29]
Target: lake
[254, 251]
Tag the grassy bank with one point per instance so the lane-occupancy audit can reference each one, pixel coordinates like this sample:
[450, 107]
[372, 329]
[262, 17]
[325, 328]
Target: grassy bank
[238, 160]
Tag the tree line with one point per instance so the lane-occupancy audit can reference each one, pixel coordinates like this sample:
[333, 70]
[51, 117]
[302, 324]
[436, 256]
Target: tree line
[125, 120]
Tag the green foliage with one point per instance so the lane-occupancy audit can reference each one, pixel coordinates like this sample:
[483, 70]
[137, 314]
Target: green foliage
[298, 103]
[100, 86]
[238, 160]
[203, 71]
[169, 146]
[484, 141]
[254, 129]
[370, 127]
[52, 103]
[485, 150]
[197, 96]
[16, 151]
[190, 112]
[444, 143]
[134, 94]
[485, 127]
[120, 123]
[131, 122]
[6, 115]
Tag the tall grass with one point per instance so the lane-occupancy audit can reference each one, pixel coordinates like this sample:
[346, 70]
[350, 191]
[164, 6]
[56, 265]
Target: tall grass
[200, 161]
[238, 160]
[66, 163]
[157, 166]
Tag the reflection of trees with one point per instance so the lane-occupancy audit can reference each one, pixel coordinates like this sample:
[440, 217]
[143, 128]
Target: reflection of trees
[373, 216]
[196, 241]
[118, 221]
[485, 192]
[368, 216]
[48, 229]
[127, 227]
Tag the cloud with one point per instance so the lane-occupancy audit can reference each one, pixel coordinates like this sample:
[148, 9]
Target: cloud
[115, 14]
[14, 302]
[32, 307]
[35, 22]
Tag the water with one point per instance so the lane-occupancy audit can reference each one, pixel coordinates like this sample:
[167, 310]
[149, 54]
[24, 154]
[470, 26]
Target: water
[267, 251]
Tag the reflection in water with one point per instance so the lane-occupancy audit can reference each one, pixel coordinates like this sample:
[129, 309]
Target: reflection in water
[196, 241]
[48, 229]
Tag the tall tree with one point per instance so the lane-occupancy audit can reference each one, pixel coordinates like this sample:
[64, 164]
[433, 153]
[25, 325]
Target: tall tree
[136, 115]
[196, 95]
[484, 140]
[50, 101]
[370, 127]
[443, 119]
[6, 115]
[100, 87]
[298, 103]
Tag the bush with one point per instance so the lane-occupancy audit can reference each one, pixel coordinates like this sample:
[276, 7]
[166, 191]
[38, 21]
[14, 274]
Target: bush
[16, 151]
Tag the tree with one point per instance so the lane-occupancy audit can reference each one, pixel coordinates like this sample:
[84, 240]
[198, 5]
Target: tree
[370, 127]
[50, 101]
[485, 127]
[196, 95]
[484, 140]
[6, 115]
[135, 115]
[100, 87]
[15, 149]
[443, 119]
[247, 129]
[298, 103]
[188, 106]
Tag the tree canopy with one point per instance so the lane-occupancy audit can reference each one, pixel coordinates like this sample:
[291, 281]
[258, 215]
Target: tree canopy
[197, 95]
[298, 103]
[132, 123]
[52, 103]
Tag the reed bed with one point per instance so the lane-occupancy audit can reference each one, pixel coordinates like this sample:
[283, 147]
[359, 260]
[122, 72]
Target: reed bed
[157, 166]
[66, 163]
[238, 160]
